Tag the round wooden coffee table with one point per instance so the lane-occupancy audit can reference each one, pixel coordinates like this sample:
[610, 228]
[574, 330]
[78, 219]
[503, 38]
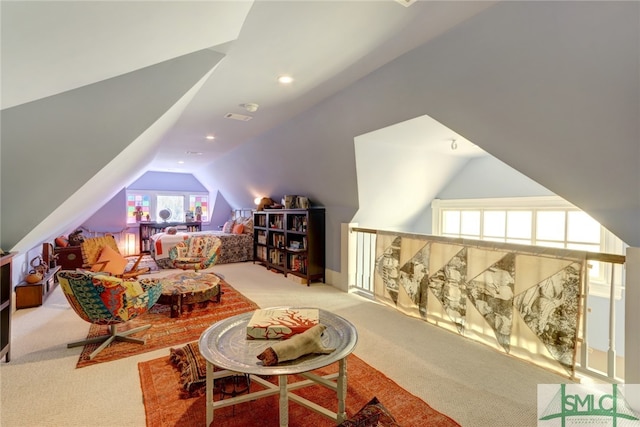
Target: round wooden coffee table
[188, 288]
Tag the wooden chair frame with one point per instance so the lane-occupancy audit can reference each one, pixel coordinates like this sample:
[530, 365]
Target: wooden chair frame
[91, 248]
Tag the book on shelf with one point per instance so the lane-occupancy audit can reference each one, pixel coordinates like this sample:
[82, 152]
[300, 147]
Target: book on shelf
[276, 257]
[295, 246]
[278, 240]
[281, 323]
[261, 253]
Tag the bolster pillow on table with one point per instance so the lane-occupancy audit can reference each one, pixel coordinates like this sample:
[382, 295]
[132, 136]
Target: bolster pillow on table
[298, 345]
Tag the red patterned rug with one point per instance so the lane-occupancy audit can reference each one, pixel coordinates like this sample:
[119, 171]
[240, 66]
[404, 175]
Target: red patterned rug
[166, 331]
[164, 407]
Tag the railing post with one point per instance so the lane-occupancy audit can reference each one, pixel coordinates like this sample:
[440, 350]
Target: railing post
[352, 256]
[611, 353]
[632, 317]
[584, 348]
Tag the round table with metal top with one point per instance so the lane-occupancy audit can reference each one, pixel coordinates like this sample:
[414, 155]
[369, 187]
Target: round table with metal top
[224, 345]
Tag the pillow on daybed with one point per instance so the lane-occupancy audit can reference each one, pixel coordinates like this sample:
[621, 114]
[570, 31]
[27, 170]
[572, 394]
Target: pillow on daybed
[228, 227]
[373, 414]
[248, 225]
[237, 229]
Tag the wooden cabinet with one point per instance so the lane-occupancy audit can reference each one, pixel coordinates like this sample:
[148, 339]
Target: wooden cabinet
[291, 241]
[148, 229]
[6, 292]
[69, 257]
[33, 294]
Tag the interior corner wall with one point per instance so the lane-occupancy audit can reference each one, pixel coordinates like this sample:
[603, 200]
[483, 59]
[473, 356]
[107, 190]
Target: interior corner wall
[395, 182]
[111, 217]
[482, 177]
[488, 177]
[220, 211]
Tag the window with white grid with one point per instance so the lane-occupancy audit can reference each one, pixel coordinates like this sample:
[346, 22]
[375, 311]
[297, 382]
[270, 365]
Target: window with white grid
[177, 203]
[540, 221]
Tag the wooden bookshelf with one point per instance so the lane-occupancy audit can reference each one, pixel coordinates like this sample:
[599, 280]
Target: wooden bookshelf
[148, 229]
[291, 241]
[6, 297]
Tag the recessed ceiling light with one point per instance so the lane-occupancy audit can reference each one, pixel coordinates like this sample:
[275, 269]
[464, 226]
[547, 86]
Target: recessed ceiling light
[180, 162]
[251, 107]
[406, 3]
[210, 137]
[285, 79]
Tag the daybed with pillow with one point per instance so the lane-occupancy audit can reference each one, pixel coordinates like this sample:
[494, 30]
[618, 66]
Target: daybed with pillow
[236, 243]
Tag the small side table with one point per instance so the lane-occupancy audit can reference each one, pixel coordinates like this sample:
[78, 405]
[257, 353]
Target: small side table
[34, 294]
[224, 345]
[189, 288]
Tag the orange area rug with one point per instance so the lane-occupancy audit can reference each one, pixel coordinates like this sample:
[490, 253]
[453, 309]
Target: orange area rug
[164, 407]
[166, 331]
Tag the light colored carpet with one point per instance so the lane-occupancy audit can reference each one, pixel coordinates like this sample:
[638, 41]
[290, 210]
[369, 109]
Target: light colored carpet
[473, 384]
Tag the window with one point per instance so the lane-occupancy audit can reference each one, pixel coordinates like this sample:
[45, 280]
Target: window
[135, 200]
[177, 203]
[199, 205]
[540, 221]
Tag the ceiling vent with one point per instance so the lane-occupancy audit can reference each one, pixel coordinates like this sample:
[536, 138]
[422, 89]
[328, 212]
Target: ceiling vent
[240, 117]
[406, 3]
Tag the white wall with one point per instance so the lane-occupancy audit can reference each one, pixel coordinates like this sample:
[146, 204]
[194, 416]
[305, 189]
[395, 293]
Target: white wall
[396, 182]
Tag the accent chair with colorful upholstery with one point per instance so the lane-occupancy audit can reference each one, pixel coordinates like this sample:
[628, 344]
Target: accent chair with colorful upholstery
[101, 254]
[101, 299]
[195, 253]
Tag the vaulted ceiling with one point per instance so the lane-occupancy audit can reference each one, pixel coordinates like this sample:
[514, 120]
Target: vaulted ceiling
[52, 47]
[96, 93]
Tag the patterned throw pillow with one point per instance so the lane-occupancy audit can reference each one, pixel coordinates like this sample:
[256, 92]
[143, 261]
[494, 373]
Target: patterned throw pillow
[114, 263]
[248, 226]
[373, 414]
[228, 227]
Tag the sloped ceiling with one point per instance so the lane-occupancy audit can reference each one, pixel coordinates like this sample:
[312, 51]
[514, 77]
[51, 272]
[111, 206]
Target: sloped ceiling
[539, 85]
[50, 47]
[57, 53]
[86, 144]
[552, 89]
[89, 89]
